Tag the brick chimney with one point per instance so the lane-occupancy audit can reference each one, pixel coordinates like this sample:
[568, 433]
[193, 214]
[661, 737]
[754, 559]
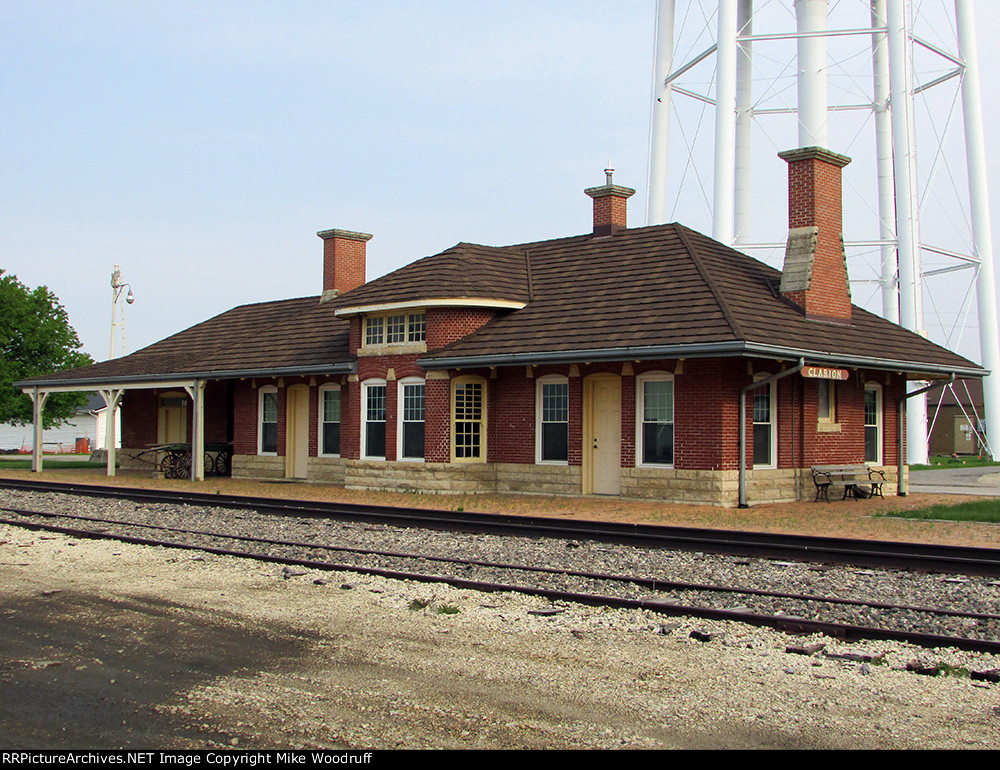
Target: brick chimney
[610, 204]
[815, 271]
[343, 261]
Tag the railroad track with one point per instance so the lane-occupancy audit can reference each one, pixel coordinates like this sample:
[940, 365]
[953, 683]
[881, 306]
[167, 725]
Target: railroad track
[867, 553]
[934, 626]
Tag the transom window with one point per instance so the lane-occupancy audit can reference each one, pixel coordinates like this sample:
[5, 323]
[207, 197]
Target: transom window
[395, 329]
[552, 443]
[468, 420]
[656, 419]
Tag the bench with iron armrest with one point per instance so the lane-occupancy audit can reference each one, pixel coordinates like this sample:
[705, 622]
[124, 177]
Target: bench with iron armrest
[851, 476]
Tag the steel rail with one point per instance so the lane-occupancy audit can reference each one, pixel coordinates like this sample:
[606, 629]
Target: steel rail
[872, 553]
[653, 584]
[786, 623]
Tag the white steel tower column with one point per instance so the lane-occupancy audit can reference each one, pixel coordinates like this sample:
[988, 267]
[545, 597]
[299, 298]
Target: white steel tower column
[725, 124]
[907, 213]
[659, 121]
[975, 150]
[744, 118]
[883, 161]
[810, 19]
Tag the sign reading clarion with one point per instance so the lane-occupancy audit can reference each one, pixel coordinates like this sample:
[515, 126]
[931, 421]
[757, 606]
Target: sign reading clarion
[823, 373]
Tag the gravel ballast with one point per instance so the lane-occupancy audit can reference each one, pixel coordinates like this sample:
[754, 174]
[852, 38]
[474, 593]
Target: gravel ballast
[968, 594]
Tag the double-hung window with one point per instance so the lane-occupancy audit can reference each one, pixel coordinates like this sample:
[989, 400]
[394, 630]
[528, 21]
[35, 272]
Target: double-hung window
[329, 413]
[267, 435]
[873, 423]
[411, 419]
[373, 410]
[468, 426]
[656, 419]
[764, 425]
[552, 420]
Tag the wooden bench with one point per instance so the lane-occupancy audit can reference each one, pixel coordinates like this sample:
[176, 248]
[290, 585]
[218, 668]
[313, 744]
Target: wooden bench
[851, 476]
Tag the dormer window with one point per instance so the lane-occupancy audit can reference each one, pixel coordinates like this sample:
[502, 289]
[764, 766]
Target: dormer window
[395, 329]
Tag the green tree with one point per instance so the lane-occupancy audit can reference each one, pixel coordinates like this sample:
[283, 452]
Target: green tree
[35, 339]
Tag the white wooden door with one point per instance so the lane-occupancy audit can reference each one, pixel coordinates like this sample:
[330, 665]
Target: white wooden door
[297, 432]
[603, 435]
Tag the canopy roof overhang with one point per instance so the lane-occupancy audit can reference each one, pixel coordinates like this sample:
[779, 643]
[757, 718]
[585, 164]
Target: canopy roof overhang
[914, 370]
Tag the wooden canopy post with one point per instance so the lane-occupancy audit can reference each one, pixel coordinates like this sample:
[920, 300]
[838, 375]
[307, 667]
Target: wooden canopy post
[112, 398]
[38, 402]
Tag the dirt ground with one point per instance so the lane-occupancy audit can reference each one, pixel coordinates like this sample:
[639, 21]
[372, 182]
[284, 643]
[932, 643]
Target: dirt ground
[111, 645]
[848, 518]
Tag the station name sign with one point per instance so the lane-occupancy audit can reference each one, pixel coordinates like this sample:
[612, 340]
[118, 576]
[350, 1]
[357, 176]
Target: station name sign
[823, 373]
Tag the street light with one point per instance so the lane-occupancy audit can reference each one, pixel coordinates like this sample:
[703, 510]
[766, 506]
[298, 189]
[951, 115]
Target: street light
[117, 284]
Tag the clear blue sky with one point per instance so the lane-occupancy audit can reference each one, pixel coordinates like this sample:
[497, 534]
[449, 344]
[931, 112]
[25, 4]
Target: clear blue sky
[201, 145]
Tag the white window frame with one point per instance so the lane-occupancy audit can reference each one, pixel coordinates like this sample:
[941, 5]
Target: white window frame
[400, 413]
[540, 383]
[365, 386]
[830, 386]
[879, 424]
[773, 410]
[640, 398]
[411, 338]
[261, 391]
[320, 421]
[483, 419]
[368, 329]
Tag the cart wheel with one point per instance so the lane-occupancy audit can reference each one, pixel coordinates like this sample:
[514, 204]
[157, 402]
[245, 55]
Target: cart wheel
[168, 467]
[222, 464]
[209, 464]
[183, 466]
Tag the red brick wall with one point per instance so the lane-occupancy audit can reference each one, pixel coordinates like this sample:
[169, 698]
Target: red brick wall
[706, 413]
[437, 426]
[140, 413]
[245, 418]
[446, 325]
[512, 416]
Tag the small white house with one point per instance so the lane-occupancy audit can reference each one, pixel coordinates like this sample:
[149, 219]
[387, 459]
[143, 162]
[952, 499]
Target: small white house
[89, 423]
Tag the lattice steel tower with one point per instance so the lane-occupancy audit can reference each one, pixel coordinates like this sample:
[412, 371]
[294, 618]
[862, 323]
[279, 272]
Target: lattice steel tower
[886, 82]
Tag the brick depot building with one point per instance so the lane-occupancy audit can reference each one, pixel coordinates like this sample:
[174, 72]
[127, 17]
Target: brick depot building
[616, 362]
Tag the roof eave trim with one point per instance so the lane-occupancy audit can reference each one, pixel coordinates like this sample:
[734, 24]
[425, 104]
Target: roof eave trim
[735, 349]
[499, 304]
[348, 367]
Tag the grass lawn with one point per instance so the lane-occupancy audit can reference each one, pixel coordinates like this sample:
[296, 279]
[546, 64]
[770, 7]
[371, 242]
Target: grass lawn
[947, 461]
[23, 462]
[976, 510]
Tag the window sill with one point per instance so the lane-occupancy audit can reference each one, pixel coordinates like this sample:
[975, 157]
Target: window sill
[828, 427]
[393, 349]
